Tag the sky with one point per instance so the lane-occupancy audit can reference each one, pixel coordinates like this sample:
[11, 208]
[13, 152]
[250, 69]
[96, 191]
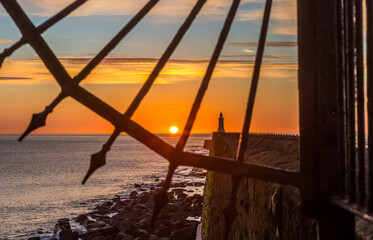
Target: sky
[26, 86]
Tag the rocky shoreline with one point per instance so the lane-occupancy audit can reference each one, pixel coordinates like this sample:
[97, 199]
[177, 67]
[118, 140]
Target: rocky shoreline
[128, 217]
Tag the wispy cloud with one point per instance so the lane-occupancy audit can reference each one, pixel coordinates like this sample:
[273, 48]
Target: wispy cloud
[253, 56]
[247, 50]
[14, 78]
[268, 44]
[5, 41]
[168, 10]
[136, 70]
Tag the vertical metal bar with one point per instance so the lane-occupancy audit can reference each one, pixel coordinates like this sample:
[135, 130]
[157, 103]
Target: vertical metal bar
[341, 111]
[369, 11]
[350, 60]
[254, 81]
[308, 109]
[361, 197]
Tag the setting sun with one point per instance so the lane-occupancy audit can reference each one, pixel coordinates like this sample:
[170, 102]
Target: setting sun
[174, 129]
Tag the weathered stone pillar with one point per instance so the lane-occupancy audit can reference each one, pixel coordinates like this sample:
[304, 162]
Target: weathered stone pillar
[218, 187]
[266, 210]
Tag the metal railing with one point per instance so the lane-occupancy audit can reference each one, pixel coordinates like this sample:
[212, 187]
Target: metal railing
[355, 110]
[123, 123]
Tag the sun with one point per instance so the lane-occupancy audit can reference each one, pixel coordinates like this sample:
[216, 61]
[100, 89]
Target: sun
[173, 129]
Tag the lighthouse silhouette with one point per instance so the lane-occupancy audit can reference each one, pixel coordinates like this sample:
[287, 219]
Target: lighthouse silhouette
[221, 124]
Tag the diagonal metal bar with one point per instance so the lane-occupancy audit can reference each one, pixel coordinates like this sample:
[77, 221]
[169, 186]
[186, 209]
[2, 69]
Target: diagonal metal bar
[42, 28]
[230, 212]
[210, 69]
[160, 197]
[255, 80]
[98, 159]
[39, 119]
[126, 124]
[133, 129]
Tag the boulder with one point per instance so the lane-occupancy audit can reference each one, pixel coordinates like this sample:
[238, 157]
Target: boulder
[123, 236]
[185, 233]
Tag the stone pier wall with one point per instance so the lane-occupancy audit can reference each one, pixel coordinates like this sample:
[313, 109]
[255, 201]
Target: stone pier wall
[265, 210]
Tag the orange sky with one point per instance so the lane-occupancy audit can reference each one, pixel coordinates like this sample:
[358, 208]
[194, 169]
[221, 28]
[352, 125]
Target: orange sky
[168, 103]
[26, 86]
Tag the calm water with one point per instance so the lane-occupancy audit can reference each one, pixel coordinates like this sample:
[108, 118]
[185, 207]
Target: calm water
[40, 177]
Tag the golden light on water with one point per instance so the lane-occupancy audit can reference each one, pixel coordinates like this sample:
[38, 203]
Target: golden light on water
[174, 129]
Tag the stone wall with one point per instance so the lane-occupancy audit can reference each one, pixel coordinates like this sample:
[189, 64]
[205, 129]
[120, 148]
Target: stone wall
[265, 210]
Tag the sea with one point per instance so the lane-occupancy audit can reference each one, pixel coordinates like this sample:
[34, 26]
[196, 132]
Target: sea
[40, 177]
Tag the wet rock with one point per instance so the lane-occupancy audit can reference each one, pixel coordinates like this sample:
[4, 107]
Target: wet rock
[162, 231]
[99, 238]
[143, 237]
[116, 199]
[133, 194]
[153, 237]
[123, 236]
[196, 184]
[185, 233]
[197, 198]
[179, 184]
[98, 224]
[65, 222]
[181, 195]
[81, 218]
[126, 215]
[137, 232]
[178, 190]
[125, 224]
[134, 214]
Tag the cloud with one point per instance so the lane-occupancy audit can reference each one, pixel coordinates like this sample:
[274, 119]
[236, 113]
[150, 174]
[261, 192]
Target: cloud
[268, 44]
[5, 41]
[253, 55]
[248, 51]
[141, 60]
[136, 70]
[168, 10]
[14, 78]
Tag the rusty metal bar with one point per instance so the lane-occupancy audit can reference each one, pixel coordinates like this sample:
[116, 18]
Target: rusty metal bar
[341, 111]
[42, 28]
[351, 158]
[101, 155]
[352, 208]
[254, 81]
[369, 12]
[361, 196]
[39, 119]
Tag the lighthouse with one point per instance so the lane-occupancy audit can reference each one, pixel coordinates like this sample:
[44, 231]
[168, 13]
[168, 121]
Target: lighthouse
[221, 124]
